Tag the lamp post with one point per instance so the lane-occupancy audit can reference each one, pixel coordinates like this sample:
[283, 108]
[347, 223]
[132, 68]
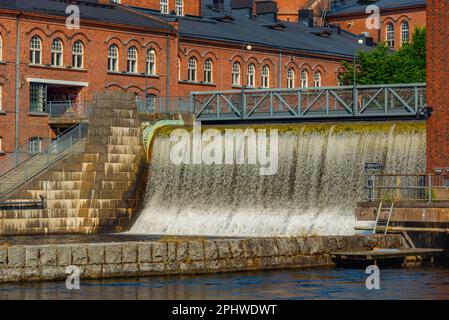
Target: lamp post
[354, 93]
[248, 47]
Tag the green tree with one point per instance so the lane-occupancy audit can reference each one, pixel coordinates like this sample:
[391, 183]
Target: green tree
[383, 66]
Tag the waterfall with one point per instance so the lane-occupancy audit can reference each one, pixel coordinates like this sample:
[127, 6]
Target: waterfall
[320, 178]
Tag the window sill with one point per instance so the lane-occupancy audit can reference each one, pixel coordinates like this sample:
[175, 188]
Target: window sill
[3, 113]
[2, 153]
[37, 114]
[57, 67]
[142, 75]
[207, 84]
[2, 62]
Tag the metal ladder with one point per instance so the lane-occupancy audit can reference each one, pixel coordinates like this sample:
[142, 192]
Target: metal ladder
[379, 212]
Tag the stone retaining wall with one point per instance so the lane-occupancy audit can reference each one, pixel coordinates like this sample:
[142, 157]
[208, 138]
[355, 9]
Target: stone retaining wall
[148, 258]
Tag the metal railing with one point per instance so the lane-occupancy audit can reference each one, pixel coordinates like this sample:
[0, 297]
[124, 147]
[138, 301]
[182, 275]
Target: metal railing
[403, 187]
[165, 105]
[67, 109]
[367, 101]
[19, 167]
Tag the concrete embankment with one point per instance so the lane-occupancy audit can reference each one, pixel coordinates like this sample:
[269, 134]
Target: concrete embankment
[177, 257]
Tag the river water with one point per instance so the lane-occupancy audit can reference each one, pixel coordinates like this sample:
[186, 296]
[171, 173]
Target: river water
[397, 284]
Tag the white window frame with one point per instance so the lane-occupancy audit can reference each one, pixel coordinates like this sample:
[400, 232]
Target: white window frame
[405, 32]
[265, 76]
[192, 68]
[304, 78]
[251, 76]
[35, 50]
[291, 78]
[208, 71]
[389, 35]
[179, 7]
[164, 6]
[131, 60]
[1, 48]
[113, 61]
[151, 62]
[236, 74]
[317, 79]
[57, 53]
[35, 145]
[78, 55]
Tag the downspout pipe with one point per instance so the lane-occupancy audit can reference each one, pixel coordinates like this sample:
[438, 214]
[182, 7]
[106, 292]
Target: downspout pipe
[17, 90]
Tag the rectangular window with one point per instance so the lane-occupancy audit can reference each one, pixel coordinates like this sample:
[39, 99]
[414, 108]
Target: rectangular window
[38, 97]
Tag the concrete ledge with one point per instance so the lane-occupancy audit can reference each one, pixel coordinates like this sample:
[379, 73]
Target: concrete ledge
[150, 258]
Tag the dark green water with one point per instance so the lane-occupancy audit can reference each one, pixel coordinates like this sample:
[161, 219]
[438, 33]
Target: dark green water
[421, 283]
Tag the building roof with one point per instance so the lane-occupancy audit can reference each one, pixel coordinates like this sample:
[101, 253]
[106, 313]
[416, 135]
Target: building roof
[232, 28]
[359, 6]
[89, 10]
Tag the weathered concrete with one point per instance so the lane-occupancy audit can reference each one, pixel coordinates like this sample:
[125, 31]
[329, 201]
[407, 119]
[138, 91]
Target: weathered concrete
[149, 258]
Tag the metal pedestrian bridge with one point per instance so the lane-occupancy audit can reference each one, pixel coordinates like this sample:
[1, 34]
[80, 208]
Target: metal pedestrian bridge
[402, 101]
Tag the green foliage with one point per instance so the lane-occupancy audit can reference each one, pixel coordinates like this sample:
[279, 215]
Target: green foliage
[383, 66]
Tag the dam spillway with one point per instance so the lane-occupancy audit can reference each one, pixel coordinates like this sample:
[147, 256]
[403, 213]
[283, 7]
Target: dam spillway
[320, 178]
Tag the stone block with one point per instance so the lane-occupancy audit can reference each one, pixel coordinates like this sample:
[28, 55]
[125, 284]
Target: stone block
[182, 251]
[196, 250]
[171, 251]
[48, 256]
[113, 253]
[32, 256]
[129, 253]
[224, 251]
[64, 254]
[16, 257]
[236, 248]
[159, 251]
[287, 246]
[144, 253]
[95, 252]
[151, 268]
[79, 255]
[130, 269]
[3, 255]
[110, 270]
[210, 250]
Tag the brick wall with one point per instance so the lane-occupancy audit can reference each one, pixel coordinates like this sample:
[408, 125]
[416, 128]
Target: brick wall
[438, 84]
[191, 7]
[357, 23]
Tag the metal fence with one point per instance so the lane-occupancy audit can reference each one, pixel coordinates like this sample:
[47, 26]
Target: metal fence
[403, 100]
[165, 105]
[21, 166]
[403, 187]
[66, 109]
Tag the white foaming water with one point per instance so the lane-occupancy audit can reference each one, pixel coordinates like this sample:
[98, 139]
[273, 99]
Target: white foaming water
[319, 181]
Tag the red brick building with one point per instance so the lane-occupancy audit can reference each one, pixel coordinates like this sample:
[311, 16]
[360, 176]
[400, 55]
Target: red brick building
[438, 86]
[398, 19]
[145, 51]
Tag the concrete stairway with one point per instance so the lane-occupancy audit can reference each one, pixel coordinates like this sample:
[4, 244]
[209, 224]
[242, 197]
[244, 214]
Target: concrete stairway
[95, 191]
[33, 166]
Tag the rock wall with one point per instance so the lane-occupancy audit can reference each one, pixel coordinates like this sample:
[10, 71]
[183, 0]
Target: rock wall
[149, 258]
[95, 191]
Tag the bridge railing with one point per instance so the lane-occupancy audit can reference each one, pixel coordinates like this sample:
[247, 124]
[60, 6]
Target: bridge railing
[402, 100]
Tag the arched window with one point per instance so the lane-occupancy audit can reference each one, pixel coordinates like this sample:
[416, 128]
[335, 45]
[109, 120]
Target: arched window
[151, 62]
[151, 103]
[113, 58]
[164, 6]
[192, 69]
[1, 48]
[390, 35]
[304, 79]
[317, 79]
[77, 55]
[290, 78]
[236, 78]
[179, 68]
[1, 98]
[35, 50]
[208, 71]
[132, 60]
[56, 53]
[1, 144]
[251, 77]
[35, 145]
[265, 76]
[179, 7]
[405, 32]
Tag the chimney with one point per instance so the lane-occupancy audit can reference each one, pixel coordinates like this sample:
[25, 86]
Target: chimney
[267, 9]
[218, 5]
[242, 8]
[305, 16]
